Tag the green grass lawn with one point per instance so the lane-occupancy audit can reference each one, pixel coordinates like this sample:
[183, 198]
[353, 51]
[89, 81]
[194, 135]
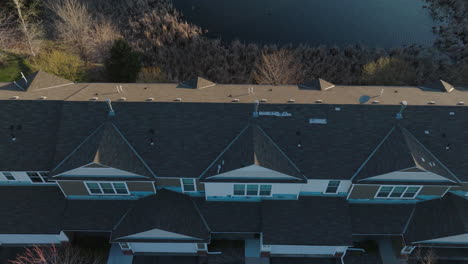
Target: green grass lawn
[11, 67]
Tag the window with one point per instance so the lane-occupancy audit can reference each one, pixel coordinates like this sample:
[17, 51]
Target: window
[252, 189]
[239, 189]
[34, 176]
[332, 187]
[8, 176]
[38, 176]
[265, 190]
[384, 191]
[188, 185]
[124, 246]
[396, 192]
[411, 192]
[107, 188]
[201, 246]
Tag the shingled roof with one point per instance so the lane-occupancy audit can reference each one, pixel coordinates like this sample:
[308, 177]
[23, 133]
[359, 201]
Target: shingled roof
[440, 85]
[318, 84]
[380, 219]
[173, 216]
[401, 154]
[198, 83]
[438, 218]
[306, 221]
[108, 147]
[252, 155]
[31, 209]
[42, 80]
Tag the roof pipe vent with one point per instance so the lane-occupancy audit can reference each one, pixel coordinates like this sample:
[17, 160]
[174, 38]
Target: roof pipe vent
[256, 104]
[14, 97]
[109, 104]
[460, 103]
[178, 99]
[94, 99]
[291, 101]
[43, 97]
[235, 100]
[399, 115]
[150, 99]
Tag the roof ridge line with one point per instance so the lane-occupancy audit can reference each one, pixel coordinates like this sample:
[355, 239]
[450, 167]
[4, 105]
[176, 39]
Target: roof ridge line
[430, 153]
[281, 151]
[373, 152]
[224, 151]
[77, 147]
[131, 147]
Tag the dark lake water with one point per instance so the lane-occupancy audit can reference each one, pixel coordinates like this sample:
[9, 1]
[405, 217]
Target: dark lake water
[375, 23]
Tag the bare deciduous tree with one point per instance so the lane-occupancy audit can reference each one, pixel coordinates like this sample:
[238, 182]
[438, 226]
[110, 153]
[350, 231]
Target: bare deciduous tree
[279, 67]
[30, 26]
[77, 27]
[58, 255]
[426, 256]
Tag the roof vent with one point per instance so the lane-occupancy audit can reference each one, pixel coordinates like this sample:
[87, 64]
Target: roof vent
[13, 137]
[426, 132]
[291, 101]
[460, 103]
[151, 142]
[375, 102]
[109, 104]
[263, 100]
[399, 115]
[451, 113]
[178, 99]
[423, 160]
[235, 100]
[447, 147]
[250, 90]
[320, 121]
[431, 102]
[318, 101]
[256, 104]
[93, 98]
[337, 108]
[14, 97]
[150, 99]
[43, 97]
[122, 99]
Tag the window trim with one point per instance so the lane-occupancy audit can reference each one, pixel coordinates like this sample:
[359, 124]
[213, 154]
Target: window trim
[106, 194]
[183, 187]
[328, 185]
[402, 194]
[39, 173]
[125, 248]
[4, 173]
[258, 190]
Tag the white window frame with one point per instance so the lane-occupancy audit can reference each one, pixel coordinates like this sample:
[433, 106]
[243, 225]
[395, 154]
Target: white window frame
[102, 191]
[258, 190]
[402, 194]
[183, 187]
[407, 250]
[328, 185]
[125, 248]
[5, 173]
[41, 176]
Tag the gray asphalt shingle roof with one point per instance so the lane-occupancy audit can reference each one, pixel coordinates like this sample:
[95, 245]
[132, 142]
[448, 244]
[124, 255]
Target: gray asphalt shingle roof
[168, 211]
[105, 146]
[443, 217]
[379, 219]
[307, 221]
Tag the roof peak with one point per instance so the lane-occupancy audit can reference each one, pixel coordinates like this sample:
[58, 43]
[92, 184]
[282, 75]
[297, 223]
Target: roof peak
[41, 80]
[106, 146]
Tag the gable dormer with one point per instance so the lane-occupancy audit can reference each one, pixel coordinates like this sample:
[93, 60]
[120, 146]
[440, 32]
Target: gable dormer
[106, 149]
[252, 157]
[41, 80]
[401, 158]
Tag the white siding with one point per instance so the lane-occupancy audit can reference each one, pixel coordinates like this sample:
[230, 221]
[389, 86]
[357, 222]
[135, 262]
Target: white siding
[459, 239]
[305, 250]
[30, 239]
[20, 176]
[312, 186]
[226, 189]
[164, 247]
[319, 186]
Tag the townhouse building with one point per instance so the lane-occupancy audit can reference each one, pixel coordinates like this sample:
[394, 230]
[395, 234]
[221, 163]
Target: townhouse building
[292, 174]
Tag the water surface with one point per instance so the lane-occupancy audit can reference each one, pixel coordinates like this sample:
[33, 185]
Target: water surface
[375, 23]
